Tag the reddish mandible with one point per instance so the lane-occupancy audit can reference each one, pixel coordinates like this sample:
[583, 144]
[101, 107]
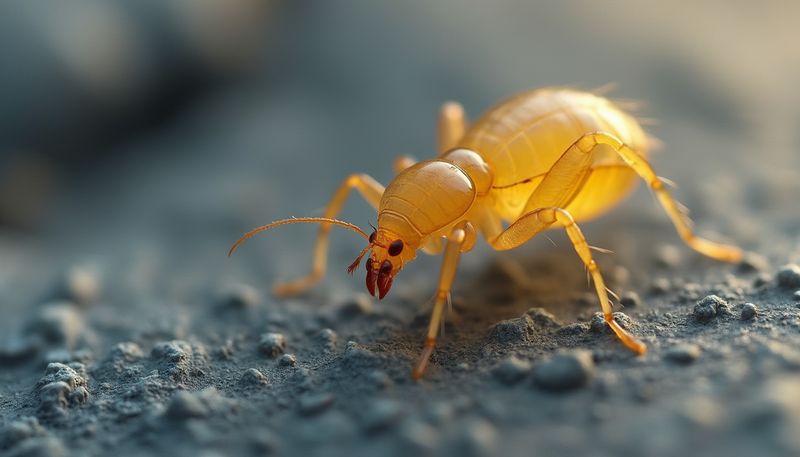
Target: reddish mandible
[544, 159]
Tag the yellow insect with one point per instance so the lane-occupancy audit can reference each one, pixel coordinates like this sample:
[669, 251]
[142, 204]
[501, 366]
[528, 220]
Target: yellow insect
[543, 159]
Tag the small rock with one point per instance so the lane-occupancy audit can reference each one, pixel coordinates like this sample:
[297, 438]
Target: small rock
[598, 323]
[59, 324]
[193, 405]
[18, 431]
[17, 350]
[239, 296]
[749, 311]
[565, 371]
[543, 318]
[476, 438]
[327, 337]
[61, 387]
[512, 331]
[421, 437]
[185, 405]
[659, 286]
[313, 404]
[379, 379]
[630, 300]
[512, 370]
[708, 308]
[358, 305]
[358, 357]
[179, 359]
[81, 286]
[253, 377]
[683, 354]
[272, 344]
[40, 446]
[668, 256]
[752, 262]
[796, 295]
[380, 414]
[127, 352]
[788, 276]
[287, 360]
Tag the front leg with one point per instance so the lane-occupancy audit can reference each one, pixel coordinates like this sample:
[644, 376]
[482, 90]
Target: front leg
[371, 190]
[462, 235]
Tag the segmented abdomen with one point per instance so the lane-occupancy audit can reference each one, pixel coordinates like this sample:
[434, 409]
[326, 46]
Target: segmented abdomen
[523, 137]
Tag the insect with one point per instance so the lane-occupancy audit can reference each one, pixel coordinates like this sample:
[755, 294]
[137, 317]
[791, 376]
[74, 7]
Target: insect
[544, 159]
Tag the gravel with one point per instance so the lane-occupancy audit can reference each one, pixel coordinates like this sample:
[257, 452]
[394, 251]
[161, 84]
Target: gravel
[564, 371]
[272, 344]
[788, 276]
[749, 311]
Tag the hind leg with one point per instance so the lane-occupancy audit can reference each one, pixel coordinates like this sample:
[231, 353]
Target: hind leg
[452, 126]
[538, 220]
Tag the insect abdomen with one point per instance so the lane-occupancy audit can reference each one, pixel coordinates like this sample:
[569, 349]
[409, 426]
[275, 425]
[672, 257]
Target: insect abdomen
[523, 137]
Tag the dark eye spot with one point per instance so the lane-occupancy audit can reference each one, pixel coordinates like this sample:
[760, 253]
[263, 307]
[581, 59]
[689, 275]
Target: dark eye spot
[396, 247]
[372, 237]
[386, 267]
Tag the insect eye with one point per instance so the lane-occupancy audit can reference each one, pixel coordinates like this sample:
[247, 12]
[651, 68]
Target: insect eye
[386, 267]
[372, 237]
[396, 247]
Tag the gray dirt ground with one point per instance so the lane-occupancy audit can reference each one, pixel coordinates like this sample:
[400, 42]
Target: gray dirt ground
[124, 329]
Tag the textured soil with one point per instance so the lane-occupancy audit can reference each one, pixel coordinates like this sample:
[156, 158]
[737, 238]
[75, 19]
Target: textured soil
[125, 330]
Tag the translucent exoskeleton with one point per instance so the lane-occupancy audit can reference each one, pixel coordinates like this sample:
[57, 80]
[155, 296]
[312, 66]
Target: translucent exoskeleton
[544, 159]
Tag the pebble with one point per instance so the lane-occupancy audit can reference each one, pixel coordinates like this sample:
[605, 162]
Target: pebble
[683, 354]
[20, 430]
[204, 403]
[517, 330]
[565, 371]
[709, 307]
[788, 276]
[476, 437]
[81, 286]
[659, 286]
[752, 262]
[512, 370]
[327, 338]
[358, 357]
[630, 300]
[61, 387]
[179, 359]
[358, 305]
[749, 311]
[17, 350]
[598, 323]
[381, 414]
[668, 256]
[796, 295]
[287, 360]
[313, 404]
[272, 344]
[40, 446]
[254, 377]
[543, 318]
[59, 324]
[239, 296]
[419, 436]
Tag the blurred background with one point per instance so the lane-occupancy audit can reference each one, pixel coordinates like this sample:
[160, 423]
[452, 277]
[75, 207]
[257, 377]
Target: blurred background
[138, 139]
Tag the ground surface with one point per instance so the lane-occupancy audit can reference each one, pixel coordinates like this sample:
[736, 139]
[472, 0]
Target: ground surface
[124, 329]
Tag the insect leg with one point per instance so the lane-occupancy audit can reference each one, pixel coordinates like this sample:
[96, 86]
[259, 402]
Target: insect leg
[371, 190]
[452, 125]
[681, 221]
[452, 253]
[536, 221]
